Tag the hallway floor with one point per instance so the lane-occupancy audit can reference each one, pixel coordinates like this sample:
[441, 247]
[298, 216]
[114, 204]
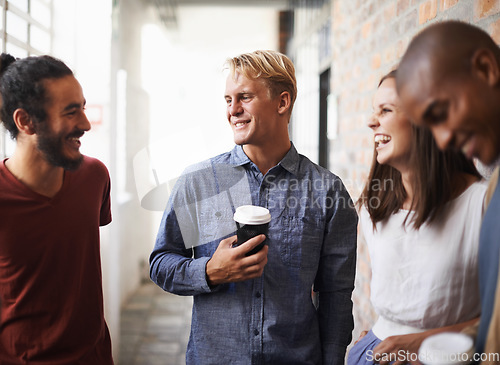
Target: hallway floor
[154, 328]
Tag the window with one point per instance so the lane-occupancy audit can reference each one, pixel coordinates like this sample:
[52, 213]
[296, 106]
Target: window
[25, 30]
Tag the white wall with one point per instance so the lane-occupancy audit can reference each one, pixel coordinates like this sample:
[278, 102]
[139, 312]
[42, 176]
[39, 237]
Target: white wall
[145, 84]
[82, 39]
[184, 69]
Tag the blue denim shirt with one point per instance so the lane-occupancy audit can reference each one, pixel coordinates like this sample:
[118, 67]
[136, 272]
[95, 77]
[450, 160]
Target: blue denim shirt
[312, 245]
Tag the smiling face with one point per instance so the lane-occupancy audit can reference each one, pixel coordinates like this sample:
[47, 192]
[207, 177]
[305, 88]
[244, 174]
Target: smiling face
[58, 136]
[392, 129]
[462, 112]
[251, 111]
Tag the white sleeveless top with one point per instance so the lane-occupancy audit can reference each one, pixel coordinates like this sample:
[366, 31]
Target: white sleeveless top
[426, 278]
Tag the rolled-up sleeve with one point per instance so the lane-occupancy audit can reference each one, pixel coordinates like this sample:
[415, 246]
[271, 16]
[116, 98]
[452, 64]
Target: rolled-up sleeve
[172, 266]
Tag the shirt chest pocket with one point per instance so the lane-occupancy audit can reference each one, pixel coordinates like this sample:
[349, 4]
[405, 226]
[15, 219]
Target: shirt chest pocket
[301, 243]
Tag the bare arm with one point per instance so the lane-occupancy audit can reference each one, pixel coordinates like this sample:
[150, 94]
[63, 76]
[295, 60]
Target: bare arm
[409, 344]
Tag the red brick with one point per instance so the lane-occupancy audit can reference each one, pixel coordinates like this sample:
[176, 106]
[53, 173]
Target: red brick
[401, 47]
[409, 22]
[376, 61]
[368, 83]
[374, 80]
[390, 12]
[427, 11]
[389, 55]
[366, 30]
[446, 4]
[485, 8]
[495, 31]
[402, 6]
[356, 73]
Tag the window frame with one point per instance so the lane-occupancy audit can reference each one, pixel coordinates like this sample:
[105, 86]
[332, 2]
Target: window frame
[30, 48]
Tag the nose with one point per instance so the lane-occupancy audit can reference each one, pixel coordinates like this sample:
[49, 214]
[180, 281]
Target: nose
[373, 122]
[234, 108]
[443, 136]
[84, 123]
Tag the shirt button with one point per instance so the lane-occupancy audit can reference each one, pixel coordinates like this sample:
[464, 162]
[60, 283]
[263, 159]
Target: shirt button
[256, 332]
[257, 295]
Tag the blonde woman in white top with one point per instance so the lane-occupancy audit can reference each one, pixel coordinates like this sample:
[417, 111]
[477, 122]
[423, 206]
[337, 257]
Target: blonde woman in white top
[420, 215]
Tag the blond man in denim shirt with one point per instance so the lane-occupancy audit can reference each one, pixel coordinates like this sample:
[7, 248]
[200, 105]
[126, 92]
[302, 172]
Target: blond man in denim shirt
[258, 309]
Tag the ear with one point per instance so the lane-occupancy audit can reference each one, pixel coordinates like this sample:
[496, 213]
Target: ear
[485, 66]
[23, 121]
[284, 102]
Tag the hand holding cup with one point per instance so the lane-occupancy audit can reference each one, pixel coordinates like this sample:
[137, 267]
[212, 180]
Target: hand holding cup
[251, 221]
[232, 264]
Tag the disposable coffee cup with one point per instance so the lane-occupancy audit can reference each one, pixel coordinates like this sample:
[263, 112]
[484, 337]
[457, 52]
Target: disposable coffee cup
[447, 348]
[251, 221]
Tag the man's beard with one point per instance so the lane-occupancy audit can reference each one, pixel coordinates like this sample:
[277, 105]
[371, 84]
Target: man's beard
[51, 145]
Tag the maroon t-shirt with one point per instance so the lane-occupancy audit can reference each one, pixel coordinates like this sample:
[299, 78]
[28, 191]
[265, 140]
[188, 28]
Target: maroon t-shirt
[51, 303]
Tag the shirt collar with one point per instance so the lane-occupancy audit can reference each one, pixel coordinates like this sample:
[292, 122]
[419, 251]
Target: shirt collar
[238, 156]
[290, 162]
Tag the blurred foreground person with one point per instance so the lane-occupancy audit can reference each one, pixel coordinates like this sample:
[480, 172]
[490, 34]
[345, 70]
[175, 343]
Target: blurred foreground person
[421, 215]
[52, 202]
[449, 81]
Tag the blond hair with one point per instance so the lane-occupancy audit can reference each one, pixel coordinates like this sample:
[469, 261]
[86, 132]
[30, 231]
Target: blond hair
[273, 67]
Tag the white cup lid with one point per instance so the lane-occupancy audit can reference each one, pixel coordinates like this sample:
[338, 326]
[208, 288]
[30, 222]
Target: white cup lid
[447, 348]
[251, 214]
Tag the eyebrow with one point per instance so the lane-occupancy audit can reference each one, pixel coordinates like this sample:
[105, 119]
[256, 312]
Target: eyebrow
[74, 106]
[244, 92]
[381, 106]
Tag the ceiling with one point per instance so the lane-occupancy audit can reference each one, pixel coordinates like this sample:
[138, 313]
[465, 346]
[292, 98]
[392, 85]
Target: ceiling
[167, 9]
[272, 3]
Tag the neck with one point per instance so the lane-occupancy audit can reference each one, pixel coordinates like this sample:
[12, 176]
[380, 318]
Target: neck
[407, 179]
[266, 157]
[461, 183]
[31, 168]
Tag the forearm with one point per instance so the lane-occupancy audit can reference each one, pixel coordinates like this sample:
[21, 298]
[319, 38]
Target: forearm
[178, 274]
[411, 343]
[453, 328]
[172, 266]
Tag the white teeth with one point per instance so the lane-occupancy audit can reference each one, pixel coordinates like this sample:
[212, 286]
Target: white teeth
[382, 138]
[239, 124]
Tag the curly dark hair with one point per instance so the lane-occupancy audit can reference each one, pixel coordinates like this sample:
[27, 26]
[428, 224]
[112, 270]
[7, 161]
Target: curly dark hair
[22, 86]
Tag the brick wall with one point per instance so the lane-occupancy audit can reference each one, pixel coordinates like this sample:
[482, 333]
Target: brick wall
[369, 37]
